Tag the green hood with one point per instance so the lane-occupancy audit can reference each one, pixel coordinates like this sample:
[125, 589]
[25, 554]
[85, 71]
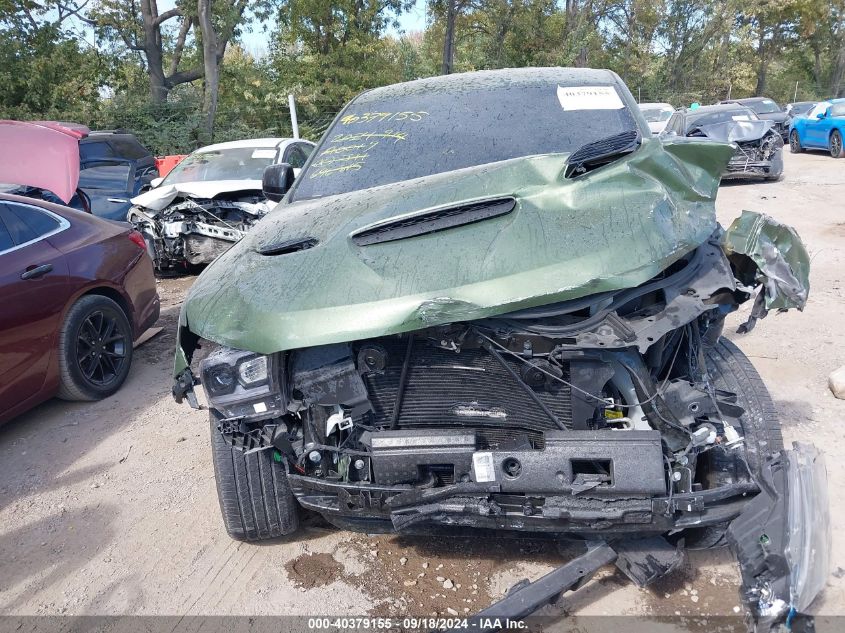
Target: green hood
[612, 228]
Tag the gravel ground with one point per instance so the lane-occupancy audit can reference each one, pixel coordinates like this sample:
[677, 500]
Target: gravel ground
[110, 507]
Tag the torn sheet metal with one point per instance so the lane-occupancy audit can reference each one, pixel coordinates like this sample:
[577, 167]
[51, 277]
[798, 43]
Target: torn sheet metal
[780, 261]
[613, 228]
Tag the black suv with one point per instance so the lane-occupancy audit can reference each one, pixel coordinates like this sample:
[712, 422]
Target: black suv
[114, 167]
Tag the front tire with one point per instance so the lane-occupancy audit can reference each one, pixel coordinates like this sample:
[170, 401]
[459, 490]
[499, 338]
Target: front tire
[731, 370]
[795, 143]
[836, 148]
[95, 349]
[255, 497]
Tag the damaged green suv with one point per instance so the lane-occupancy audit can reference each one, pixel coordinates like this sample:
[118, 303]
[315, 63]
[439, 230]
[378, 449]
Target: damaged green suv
[493, 300]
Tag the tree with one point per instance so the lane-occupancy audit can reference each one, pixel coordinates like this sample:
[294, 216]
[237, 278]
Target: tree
[326, 51]
[144, 30]
[162, 39]
[45, 71]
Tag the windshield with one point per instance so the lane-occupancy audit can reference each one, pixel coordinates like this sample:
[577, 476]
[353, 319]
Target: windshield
[766, 106]
[236, 163]
[656, 115]
[721, 116]
[405, 135]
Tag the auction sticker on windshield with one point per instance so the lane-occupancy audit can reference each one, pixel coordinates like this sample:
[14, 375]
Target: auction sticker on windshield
[589, 98]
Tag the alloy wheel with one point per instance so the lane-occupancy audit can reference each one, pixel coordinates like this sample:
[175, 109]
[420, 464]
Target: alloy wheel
[101, 348]
[836, 145]
[794, 143]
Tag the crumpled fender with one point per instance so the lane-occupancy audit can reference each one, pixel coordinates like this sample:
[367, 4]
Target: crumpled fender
[764, 251]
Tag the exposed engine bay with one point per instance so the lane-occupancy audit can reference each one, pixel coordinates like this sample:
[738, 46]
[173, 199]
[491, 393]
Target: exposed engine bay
[758, 147]
[612, 415]
[609, 415]
[760, 157]
[529, 341]
[489, 405]
[195, 231]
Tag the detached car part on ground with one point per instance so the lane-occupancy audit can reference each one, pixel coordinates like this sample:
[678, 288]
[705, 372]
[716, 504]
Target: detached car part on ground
[758, 147]
[209, 200]
[436, 332]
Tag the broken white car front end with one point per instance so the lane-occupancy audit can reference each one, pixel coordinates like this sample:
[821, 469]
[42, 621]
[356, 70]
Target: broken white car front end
[192, 230]
[206, 203]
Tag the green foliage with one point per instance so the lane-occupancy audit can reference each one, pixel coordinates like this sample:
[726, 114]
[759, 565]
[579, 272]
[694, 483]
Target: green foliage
[54, 65]
[43, 74]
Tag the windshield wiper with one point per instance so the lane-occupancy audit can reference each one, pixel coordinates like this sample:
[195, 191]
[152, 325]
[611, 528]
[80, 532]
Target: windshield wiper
[601, 152]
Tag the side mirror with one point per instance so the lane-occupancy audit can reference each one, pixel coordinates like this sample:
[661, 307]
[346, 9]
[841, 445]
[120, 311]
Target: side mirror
[821, 115]
[155, 182]
[276, 181]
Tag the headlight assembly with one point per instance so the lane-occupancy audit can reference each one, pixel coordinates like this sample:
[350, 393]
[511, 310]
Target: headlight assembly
[240, 383]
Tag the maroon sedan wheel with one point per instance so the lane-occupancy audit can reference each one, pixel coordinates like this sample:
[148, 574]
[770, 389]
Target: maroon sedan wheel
[95, 349]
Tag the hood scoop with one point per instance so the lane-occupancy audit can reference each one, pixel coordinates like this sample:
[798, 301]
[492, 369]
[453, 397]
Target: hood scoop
[601, 152]
[434, 221]
[288, 246]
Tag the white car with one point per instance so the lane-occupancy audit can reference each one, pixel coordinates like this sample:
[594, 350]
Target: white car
[657, 115]
[210, 199]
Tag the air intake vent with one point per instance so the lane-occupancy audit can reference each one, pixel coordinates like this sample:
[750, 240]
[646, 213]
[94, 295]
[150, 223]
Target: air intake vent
[434, 221]
[601, 152]
[288, 246]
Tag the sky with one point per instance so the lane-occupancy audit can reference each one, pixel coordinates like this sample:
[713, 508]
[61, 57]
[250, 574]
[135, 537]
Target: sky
[413, 20]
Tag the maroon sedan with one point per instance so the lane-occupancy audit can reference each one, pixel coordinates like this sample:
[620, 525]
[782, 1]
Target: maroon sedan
[76, 292]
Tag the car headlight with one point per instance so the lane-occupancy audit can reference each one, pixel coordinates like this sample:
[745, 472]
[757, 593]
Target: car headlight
[240, 383]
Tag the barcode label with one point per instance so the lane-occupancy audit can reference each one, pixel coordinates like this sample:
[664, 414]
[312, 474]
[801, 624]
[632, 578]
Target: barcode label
[482, 466]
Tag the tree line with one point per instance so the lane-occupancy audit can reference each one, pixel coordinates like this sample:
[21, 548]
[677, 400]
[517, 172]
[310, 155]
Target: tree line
[181, 75]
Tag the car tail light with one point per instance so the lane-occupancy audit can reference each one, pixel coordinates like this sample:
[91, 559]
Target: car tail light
[138, 239]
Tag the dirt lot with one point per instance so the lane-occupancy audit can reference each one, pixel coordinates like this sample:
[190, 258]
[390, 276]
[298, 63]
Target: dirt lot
[110, 508]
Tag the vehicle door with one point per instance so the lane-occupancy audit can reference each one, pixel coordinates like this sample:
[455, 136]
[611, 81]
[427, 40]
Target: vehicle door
[35, 288]
[145, 165]
[813, 135]
[109, 184]
[836, 116]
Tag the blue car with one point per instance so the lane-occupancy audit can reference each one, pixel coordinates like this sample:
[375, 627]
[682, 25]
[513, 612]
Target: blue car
[822, 128]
